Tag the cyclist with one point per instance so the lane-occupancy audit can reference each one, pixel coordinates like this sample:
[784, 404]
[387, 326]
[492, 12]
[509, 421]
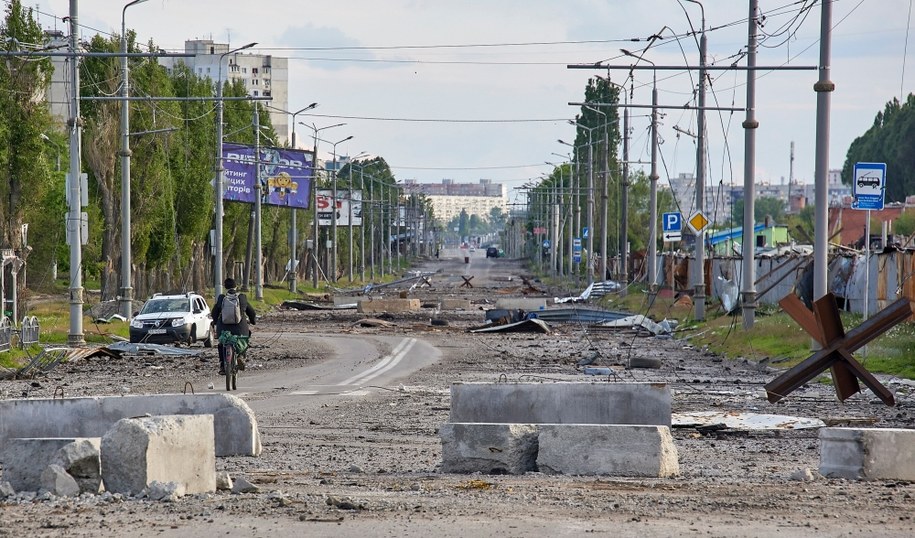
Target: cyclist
[235, 320]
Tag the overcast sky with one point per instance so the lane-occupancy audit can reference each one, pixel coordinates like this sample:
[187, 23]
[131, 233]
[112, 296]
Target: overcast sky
[396, 60]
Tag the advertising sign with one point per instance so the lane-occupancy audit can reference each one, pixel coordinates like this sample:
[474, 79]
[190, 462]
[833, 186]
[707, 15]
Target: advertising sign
[285, 175]
[325, 205]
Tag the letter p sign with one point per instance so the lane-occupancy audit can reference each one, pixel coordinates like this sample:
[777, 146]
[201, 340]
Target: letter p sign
[672, 222]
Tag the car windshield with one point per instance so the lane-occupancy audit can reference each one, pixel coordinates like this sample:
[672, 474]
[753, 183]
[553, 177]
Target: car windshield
[156, 306]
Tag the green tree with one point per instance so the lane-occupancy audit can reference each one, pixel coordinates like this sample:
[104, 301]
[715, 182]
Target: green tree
[905, 224]
[25, 176]
[891, 139]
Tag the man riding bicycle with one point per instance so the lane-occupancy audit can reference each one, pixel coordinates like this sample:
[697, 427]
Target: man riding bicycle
[229, 314]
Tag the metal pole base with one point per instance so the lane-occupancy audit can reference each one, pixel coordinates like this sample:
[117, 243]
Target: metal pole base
[699, 302]
[749, 309]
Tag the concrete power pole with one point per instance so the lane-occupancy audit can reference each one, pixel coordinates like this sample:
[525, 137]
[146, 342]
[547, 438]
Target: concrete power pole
[699, 272]
[749, 195]
[74, 216]
[823, 88]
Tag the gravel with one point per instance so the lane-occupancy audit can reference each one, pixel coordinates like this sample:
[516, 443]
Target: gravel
[369, 466]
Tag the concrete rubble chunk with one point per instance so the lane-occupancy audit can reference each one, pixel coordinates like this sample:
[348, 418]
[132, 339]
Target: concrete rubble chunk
[6, 490]
[172, 448]
[375, 305]
[867, 453]
[488, 448]
[164, 491]
[223, 481]
[25, 459]
[81, 460]
[243, 486]
[56, 481]
[607, 449]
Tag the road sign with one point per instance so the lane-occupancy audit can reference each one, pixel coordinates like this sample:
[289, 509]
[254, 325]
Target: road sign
[585, 232]
[672, 222]
[698, 221]
[546, 243]
[576, 250]
[869, 186]
[672, 237]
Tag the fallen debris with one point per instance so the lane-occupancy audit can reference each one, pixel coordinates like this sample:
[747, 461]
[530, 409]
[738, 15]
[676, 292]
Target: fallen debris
[639, 322]
[595, 290]
[373, 322]
[525, 325]
[154, 349]
[738, 420]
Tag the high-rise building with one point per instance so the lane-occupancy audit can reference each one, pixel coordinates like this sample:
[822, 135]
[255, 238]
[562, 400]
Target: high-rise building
[449, 198]
[263, 75]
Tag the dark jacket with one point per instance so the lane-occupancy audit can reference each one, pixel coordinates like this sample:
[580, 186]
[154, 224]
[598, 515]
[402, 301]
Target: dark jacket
[240, 329]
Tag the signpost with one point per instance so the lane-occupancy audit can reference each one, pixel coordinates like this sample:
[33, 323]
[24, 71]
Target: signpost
[672, 227]
[576, 250]
[869, 189]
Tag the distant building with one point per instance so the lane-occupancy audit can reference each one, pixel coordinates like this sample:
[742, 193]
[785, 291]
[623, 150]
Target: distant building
[449, 198]
[263, 75]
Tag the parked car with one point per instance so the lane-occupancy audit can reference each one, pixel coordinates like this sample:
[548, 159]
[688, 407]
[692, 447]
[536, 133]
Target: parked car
[170, 319]
[492, 252]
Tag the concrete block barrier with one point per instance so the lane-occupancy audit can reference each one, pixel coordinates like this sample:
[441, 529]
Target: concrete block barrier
[867, 453]
[176, 448]
[607, 449]
[488, 448]
[235, 426]
[528, 304]
[25, 459]
[561, 403]
[455, 304]
[370, 306]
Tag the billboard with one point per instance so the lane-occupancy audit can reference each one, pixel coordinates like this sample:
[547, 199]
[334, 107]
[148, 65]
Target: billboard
[326, 214]
[286, 175]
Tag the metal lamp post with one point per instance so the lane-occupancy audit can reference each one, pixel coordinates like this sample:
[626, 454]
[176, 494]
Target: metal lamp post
[604, 197]
[333, 221]
[314, 198]
[56, 146]
[126, 292]
[294, 232]
[220, 172]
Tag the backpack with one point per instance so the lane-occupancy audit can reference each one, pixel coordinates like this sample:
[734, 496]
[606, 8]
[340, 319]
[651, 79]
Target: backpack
[231, 309]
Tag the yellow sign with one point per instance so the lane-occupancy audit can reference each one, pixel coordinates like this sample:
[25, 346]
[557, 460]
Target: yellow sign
[698, 221]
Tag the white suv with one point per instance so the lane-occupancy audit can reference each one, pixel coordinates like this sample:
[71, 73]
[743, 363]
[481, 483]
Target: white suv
[168, 319]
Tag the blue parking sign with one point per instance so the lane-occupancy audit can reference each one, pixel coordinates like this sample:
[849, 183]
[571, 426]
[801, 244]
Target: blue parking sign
[672, 222]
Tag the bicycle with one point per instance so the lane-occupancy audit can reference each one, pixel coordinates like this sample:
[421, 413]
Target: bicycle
[234, 347]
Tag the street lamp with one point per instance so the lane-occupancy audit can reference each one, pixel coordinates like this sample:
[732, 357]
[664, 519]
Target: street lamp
[220, 171]
[314, 199]
[294, 232]
[604, 232]
[590, 196]
[333, 222]
[56, 145]
[126, 292]
[361, 212]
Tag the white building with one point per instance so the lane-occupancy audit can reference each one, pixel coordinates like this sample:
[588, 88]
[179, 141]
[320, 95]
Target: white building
[449, 198]
[263, 75]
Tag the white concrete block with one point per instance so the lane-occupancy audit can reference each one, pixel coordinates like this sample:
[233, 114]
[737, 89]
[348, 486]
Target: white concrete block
[607, 449]
[81, 460]
[488, 448]
[24, 459]
[561, 403]
[528, 304]
[173, 448]
[868, 453]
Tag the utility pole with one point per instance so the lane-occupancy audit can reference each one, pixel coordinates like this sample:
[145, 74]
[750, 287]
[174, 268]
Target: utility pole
[749, 165]
[699, 271]
[258, 195]
[74, 219]
[823, 88]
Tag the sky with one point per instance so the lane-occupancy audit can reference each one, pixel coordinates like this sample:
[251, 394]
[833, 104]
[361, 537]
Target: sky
[503, 64]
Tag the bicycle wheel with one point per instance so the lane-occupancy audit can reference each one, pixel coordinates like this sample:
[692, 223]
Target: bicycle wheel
[230, 367]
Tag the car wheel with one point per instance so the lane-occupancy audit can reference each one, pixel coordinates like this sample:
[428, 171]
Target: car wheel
[211, 337]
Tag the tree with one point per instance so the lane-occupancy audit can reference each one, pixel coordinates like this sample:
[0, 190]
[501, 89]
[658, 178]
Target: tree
[891, 139]
[25, 177]
[764, 206]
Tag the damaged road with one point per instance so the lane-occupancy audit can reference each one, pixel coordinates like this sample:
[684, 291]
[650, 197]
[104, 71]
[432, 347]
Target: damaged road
[362, 458]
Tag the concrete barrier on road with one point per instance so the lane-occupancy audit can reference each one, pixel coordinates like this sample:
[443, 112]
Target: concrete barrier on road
[175, 448]
[867, 453]
[528, 304]
[455, 304]
[561, 403]
[607, 449]
[235, 426]
[387, 305]
[488, 448]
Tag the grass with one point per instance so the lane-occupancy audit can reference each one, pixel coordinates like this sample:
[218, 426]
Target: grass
[774, 335]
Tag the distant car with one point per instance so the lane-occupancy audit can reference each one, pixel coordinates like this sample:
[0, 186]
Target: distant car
[473, 249]
[492, 252]
[170, 319]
